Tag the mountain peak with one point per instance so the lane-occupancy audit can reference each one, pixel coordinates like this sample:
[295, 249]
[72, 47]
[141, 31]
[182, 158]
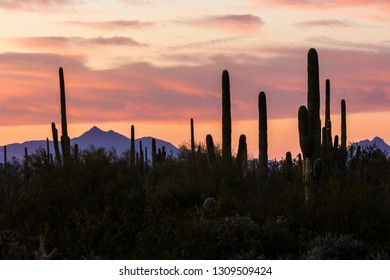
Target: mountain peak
[95, 129]
[377, 140]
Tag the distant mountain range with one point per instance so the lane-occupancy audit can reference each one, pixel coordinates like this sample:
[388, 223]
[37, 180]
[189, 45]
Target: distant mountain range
[378, 142]
[96, 137]
[113, 140]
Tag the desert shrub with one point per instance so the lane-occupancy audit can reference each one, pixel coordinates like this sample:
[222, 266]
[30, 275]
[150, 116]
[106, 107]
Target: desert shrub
[337, 247]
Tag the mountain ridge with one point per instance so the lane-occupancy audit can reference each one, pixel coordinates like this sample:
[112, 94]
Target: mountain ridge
[93, 137]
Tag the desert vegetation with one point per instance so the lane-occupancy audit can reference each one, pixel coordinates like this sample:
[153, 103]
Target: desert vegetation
[331, 201]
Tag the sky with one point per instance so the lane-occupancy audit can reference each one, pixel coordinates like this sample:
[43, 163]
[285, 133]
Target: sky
[156, 64]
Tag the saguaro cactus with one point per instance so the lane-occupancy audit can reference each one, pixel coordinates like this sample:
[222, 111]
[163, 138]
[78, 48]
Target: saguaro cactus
[242, 154]
[141, 155]
[309, 125]
[263, 138]
[210, 149]
[343, 126]
[313, 102]
[65, 141]
[55, 142]
[48, 149]
[132, 147]
[327, 102]
[154, 153]
[192, 138]
[226, 118]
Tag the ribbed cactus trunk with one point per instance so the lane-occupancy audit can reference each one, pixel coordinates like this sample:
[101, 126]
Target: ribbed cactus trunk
[210, 149]
[141, 155]
[226, 119]
[309, 125]
[146, 157]
[305, 144]
[192, 138]
[263, 137]
[55, 142]
[132, 147]
[163, 154]
[65, 141]
[313, 102]
[154, 154]
[289, 166]
[343, 126]
[327, 102]
[242, 155]
[47, 149]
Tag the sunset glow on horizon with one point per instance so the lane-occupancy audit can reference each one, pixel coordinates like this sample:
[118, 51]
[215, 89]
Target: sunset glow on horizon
[156, 64]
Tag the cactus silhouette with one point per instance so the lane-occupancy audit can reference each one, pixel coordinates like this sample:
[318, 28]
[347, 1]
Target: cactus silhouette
[242, 154]
[313, 102]
[154, 154]
[76, 152]
[304, 133]
[309, 125]
[226, 118]
[343, 126]
[55, 142]
[192, 138]
[65, 141]
[328, 123]
[132, 147]
[47, 149]
[263, 138]
[210, 149]
[141, 155]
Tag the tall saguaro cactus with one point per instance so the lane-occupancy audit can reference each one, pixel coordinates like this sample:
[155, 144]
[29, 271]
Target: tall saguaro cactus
[192, 138]
[154, 153]
[343, 126]
[263, 137]
[327, 102]
[328, 123]
[65, 141]
[132, 147]
[313, 102]
[309, 125]
[226, 118]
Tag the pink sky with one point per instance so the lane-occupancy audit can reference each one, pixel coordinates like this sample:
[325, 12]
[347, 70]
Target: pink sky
[156, 64]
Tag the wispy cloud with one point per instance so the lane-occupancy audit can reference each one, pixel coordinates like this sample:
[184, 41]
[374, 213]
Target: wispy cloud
[242, 23]
[116, 24]
[203, 43]
[33, 4]
[382, 6]
[331, 23]
[64, 42]
[336, 43]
